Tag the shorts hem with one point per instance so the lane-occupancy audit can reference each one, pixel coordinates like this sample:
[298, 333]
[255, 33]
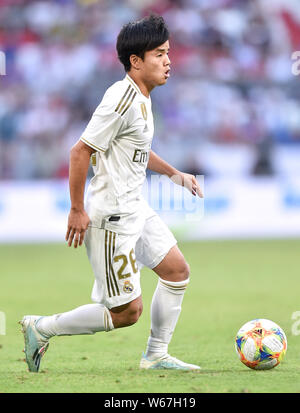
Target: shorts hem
[159, 259]
[122, 300]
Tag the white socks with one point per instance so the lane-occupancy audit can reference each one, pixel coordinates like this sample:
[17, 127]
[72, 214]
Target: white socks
[165, 311]
[92, 318]
[87, 319]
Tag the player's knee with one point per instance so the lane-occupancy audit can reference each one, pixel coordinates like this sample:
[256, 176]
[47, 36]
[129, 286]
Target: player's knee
[133, 314]
[128, 316]
[185, 271]
[180, 273]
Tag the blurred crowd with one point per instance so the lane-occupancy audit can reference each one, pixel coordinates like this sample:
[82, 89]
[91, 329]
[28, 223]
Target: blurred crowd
[231, 80]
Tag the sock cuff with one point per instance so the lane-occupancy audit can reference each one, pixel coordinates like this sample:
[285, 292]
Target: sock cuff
[174, 286]
[108, 324]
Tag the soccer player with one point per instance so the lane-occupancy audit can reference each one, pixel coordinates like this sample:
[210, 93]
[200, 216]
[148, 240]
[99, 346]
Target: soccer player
[121, 232]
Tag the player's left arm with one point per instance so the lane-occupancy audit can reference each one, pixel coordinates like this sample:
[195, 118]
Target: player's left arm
[157, 164]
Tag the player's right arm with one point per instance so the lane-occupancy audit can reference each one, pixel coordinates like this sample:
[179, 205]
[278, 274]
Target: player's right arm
[78, 219]
[103, 127]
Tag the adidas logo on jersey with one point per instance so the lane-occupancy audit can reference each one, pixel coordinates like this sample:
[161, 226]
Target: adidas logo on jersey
[126, 101]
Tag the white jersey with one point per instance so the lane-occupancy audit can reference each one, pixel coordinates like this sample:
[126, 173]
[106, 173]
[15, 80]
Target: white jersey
[121, 131]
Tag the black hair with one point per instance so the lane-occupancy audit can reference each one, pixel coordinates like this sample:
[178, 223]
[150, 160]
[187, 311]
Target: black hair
[141, 36]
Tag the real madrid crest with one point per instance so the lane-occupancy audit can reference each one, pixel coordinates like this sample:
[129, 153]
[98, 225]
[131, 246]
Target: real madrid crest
[128, 287]
[144, 110]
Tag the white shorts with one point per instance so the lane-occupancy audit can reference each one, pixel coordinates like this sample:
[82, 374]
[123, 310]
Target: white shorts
[117, 259]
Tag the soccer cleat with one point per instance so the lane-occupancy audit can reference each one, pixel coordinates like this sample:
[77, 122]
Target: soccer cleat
[166, 362]
[35, 343]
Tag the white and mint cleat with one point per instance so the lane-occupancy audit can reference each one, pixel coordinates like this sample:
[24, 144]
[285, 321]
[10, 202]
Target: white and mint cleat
[166, 362]
[35, 343]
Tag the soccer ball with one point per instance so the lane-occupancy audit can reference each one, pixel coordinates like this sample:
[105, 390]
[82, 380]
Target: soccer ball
[260, 344]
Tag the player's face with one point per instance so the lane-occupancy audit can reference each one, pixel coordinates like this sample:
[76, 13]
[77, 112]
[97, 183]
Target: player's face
[156, 66]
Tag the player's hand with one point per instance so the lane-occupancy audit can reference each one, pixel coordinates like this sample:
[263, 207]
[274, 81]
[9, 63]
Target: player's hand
[188, 181]
[78, 222]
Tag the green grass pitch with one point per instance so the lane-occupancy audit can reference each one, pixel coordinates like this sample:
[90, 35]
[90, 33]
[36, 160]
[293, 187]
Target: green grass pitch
[231, 282]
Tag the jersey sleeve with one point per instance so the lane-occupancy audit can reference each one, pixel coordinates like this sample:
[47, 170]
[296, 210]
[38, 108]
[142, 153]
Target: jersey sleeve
[104, 125]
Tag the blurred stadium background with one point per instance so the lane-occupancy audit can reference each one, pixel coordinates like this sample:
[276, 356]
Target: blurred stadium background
[230, 111]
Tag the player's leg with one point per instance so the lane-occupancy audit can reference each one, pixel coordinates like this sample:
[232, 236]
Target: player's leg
[90, 319]
[37, 330]
[165, 258]
[127, 314]
[86, 319]
[173, 266]
[116, 292]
